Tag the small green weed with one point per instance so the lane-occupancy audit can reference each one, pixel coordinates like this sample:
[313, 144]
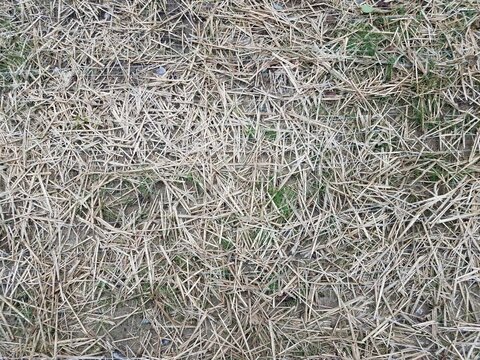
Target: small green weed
[283, 199]
[109, 215]
[273, 286]
[168, 295]
[421, 112]
[401, 10]
[430, 81]
[384, 23]
[24, 306]
[226, 244]
[80, 122]
[308, 350]
[436, 173]
[180, 261]
[365, 41]
[227, 274]
[192, 180]
[27, 311]
[250, 132]
[145, 187]
[271, 135]
[14, 52]
[389, 69]
[146, 287]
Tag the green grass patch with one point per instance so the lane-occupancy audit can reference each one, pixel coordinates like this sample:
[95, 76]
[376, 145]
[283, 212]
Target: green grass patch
[273, 286]
[283, 198]
[389, 68]
[226, 244]
[365, 41]
[14, 52]
[250, 132]
[271, 135]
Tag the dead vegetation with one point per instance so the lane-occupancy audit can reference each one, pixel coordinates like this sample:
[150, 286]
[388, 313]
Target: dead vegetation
[239, 179]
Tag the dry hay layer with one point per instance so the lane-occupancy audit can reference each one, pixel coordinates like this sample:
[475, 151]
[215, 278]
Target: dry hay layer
[239, 179]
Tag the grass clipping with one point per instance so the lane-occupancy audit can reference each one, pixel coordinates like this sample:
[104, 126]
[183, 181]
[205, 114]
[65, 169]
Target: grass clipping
[239, 179]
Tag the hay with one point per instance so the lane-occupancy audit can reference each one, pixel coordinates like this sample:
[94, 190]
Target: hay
[239, 179]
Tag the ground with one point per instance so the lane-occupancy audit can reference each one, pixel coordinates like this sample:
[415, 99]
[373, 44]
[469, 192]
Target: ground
[239, 179]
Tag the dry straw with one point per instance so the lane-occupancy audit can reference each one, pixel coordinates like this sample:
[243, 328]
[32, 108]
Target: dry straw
[239, 179]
